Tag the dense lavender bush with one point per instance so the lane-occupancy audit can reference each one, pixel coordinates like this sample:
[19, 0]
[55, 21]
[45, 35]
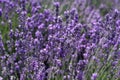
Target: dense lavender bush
[54, 43]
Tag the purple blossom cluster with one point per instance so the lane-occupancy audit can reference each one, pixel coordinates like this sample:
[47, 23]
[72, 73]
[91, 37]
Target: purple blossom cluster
[43, 44]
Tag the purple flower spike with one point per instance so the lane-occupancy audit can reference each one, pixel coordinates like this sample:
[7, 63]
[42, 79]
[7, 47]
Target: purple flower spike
[0, 12]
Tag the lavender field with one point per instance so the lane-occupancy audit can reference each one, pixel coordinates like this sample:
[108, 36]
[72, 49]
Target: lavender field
[59, 39]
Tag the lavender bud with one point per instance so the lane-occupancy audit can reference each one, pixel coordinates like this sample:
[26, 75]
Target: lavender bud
[94, 76]
[0, 12]
[37, 34]
[1, 78]
[57, 4]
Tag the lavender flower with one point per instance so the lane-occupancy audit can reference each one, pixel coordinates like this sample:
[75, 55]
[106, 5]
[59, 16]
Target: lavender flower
[94, 76]
[70, 43]
[0, 12]
[1, 78]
